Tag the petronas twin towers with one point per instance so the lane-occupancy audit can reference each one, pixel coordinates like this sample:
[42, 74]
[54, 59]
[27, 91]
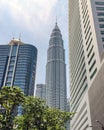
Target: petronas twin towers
[56, 71]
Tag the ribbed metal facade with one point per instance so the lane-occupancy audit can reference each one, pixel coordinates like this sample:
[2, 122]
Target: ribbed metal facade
[56, 71]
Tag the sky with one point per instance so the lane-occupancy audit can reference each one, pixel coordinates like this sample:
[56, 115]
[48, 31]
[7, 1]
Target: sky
[35, 20]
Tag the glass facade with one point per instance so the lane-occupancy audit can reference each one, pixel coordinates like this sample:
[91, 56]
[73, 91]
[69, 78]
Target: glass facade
[18, 66]
[41, 91]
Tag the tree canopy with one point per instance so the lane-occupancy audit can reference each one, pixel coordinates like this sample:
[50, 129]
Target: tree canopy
[10, 98]
[36, 114]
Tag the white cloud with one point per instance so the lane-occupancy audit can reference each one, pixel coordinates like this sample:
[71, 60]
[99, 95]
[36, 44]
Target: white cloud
[29, 13]
[35, 20]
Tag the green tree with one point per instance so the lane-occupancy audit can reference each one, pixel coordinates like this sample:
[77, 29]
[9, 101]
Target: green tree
[10, 98]
[38, 116]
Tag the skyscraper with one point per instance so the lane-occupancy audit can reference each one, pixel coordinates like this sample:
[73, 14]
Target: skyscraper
[41, 91]
[86, 35]
[18, 65]
[56, 71]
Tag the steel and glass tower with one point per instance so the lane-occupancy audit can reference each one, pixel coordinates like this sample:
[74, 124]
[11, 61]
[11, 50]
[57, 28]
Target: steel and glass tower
[56, 71]
[41, 91]
[18, 65]
[86, 35]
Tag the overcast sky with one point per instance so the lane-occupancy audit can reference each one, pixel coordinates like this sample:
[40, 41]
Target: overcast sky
[35, 20]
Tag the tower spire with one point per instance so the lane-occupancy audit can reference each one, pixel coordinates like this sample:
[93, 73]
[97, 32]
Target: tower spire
[13, 36]
[20, 37]
[55, 89]
[56, 24]
[56, 20]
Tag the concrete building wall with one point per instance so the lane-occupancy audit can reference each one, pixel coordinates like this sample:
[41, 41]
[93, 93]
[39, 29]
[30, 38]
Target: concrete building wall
[96, 99]
[86, 35]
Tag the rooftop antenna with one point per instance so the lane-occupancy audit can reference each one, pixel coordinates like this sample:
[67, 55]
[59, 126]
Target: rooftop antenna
[13, 36]
[20, 37]
[56, 20]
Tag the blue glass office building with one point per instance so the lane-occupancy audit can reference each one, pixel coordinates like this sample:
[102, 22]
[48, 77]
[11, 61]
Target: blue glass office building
[18, 65]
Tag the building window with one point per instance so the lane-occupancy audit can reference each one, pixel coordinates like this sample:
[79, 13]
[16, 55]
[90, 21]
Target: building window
[13, 57]
[89, 44]
[101, 19]
[93, 73]
[99, 8]
[90, 51]
[99, 3]
[92, 65]
[11, 68]
[10, 74]
[102, 32]
[91, 58]
[101, 25]
[8, 84]
[102, 39]
[100, 13]
[9, 79]
[14, 50]
[12, 62]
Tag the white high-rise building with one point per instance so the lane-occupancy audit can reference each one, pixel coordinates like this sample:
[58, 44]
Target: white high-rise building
[86, 35]
[56, 71]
